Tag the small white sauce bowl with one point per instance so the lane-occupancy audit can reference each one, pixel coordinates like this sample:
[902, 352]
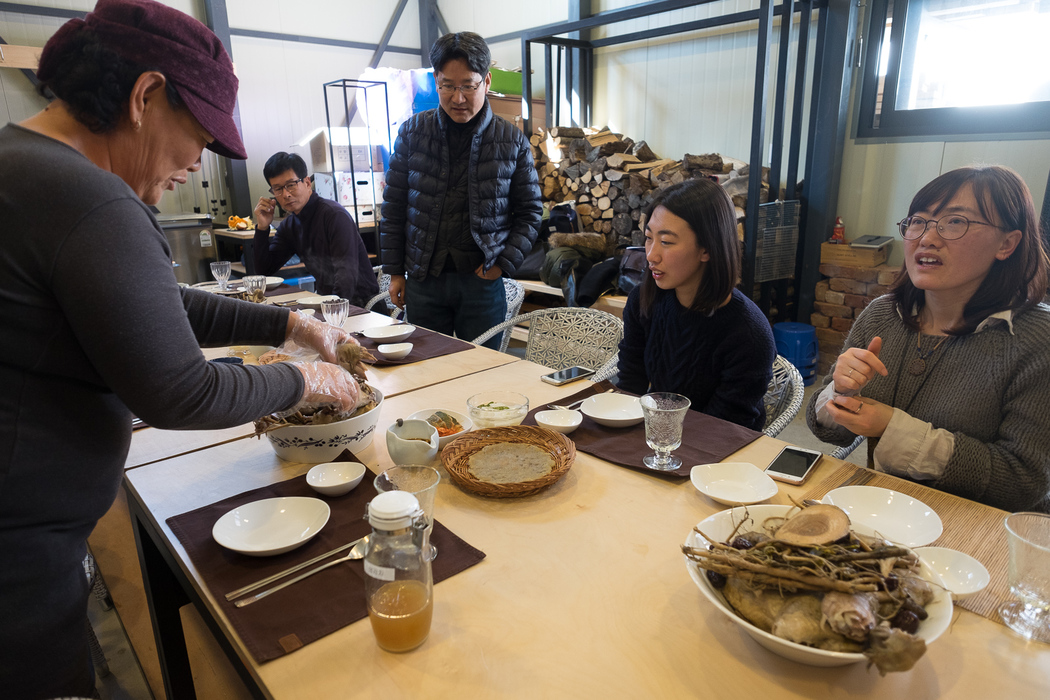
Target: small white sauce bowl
[394, 351]
[389, 334]
[963, 575]
[559, 421]
[335, 478]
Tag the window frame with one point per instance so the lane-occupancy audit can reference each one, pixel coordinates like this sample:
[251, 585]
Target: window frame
[1028, 118]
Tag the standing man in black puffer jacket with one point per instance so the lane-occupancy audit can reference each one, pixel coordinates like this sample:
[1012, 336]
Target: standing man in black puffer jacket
[462, 200]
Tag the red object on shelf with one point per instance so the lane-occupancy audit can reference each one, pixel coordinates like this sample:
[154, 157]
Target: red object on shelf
[838, 234]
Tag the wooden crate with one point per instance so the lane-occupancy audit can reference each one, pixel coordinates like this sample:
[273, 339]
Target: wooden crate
[841, 254]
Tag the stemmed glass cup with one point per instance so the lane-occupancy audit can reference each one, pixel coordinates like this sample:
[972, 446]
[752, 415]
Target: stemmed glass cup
[221, 272]
[335, 311]
[664, 415]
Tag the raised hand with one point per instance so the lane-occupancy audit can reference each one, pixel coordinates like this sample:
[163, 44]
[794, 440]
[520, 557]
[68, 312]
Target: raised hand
[264, 212]
[856, 367]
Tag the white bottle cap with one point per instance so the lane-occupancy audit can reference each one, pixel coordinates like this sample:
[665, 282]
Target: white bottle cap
[393, 510]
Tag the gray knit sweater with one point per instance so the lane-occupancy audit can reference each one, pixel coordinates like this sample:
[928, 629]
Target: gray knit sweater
[991, 389]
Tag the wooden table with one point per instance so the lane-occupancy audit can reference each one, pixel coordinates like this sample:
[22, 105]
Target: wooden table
[584, 592]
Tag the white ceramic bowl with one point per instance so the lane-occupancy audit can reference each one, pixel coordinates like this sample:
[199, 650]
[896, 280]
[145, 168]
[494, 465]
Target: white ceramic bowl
[274, 282]
[271, 526]
[335, 478]
[720, 525]
[733, 483]
[396, 333]
[315, 302]
[559, 420]
[613, 410]
[888, 514]
[445, 439]
[962, 574]
[394, 351]
[323, 443]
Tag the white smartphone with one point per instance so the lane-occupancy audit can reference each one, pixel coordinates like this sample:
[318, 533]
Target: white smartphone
[564, 376]
[793, 465]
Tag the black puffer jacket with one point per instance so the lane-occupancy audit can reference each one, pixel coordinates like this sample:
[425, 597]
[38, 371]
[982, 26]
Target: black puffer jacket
[503, 188]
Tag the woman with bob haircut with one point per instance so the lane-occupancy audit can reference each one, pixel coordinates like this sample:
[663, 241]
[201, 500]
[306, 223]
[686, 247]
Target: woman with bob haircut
[687, 329]
[949, 374]
[93, 324]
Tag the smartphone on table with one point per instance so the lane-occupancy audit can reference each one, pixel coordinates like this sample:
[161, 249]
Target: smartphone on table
[793, 465]
[569, 374]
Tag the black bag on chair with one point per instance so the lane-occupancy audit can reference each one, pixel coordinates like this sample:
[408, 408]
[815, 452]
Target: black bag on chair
[633, 268]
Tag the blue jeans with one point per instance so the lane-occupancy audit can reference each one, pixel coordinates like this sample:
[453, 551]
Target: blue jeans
[457, 303]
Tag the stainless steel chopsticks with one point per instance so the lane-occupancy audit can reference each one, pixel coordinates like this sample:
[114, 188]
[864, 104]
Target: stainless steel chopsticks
[281, 574]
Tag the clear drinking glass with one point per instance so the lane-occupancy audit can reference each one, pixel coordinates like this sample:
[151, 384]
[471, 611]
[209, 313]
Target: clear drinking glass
[255, 287]
[664, 414]
[1029, 576]
[335, 312]
[420, 481]
[221, 272]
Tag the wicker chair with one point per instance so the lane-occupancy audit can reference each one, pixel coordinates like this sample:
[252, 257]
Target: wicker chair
[564, 337]
[844, 452]
[384, 288]
[783, 397]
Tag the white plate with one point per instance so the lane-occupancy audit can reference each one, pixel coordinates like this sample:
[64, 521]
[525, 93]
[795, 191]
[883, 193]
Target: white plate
[274, 282]
[962, 574]
[315, 302]
[733, 483]
[613, 410]
[233, 287]
[394, 333]
[888, 514]
[721, 525]
[271, 526]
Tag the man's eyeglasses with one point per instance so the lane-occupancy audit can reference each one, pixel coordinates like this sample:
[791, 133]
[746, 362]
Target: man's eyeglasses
[279, 189]
[948, 227]
[467, 90]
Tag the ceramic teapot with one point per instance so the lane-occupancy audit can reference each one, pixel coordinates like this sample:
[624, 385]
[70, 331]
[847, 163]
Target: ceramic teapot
[412, 442]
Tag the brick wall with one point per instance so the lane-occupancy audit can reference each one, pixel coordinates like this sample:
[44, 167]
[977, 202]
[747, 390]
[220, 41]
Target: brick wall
[840, 297]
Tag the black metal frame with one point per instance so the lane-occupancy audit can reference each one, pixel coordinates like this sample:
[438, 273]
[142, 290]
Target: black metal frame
[941, 122]
[833, 44]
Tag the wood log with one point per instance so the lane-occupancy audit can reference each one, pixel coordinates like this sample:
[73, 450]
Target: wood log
[646, 165]
[612, 148]
[616, 160]
[572, 132]
[615, 175]
[620, 206]
[602, 137]
[586, 177]
[642, 151]
[598, 177]
[584, 209]
[608, 214]
[604, 203]
[612, 190]
[586, 221]
[606, 227]
[598, 165]
[709, 161]
[622, 224]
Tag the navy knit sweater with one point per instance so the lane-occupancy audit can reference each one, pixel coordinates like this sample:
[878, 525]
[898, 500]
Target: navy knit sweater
[722, 362]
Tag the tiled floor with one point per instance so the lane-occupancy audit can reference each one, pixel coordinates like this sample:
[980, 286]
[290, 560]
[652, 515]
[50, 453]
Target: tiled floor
[126, 681]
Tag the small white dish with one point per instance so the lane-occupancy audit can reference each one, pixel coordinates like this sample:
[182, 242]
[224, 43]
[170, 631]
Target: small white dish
[232, 287]
[894, 516]
[335, 478]
[559, 420]
[315, 302]
[443, 440]
[963, 575]
[613, 410]
[396, 333]
[274, 282]
[733, 483]
[394, 351]
[271, 526]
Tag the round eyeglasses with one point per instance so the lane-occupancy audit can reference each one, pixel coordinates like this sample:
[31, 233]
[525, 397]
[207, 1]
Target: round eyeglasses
[278, 189]
[948, 227]
[467, 90]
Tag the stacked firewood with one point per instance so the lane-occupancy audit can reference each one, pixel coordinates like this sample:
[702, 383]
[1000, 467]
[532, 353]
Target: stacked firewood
[612, 178]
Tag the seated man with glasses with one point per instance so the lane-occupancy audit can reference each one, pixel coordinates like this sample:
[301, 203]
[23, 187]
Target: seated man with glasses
[319, 231]
[462, 201]
[949, 375]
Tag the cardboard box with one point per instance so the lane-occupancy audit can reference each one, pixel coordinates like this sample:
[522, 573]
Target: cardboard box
[842, 254]
[341, 187]
[366, 215]
[344, 151]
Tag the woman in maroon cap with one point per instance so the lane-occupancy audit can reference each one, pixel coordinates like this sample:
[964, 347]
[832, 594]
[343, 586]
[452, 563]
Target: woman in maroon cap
[93, 325]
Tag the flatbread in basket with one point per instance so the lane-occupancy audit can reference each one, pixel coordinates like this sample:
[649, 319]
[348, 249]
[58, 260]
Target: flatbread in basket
[456, 458]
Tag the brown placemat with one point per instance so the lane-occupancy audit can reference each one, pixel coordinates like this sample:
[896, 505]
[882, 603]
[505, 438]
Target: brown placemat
[425, 345]
[969, 527]
[705, 439]
[306, 611]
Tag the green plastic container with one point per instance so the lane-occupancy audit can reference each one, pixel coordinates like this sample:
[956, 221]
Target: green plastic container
[507, 82]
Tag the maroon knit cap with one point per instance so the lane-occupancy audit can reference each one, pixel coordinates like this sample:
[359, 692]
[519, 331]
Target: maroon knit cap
[189, 55]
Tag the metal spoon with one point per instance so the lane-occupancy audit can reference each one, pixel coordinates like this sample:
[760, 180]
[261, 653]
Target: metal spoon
[358, 552]
[576, 404]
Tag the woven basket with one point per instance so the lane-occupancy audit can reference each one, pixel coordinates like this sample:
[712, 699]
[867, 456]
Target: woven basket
[456, 458]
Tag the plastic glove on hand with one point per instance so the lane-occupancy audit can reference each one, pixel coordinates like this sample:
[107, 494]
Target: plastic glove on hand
[319, 336]
[327, 385]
